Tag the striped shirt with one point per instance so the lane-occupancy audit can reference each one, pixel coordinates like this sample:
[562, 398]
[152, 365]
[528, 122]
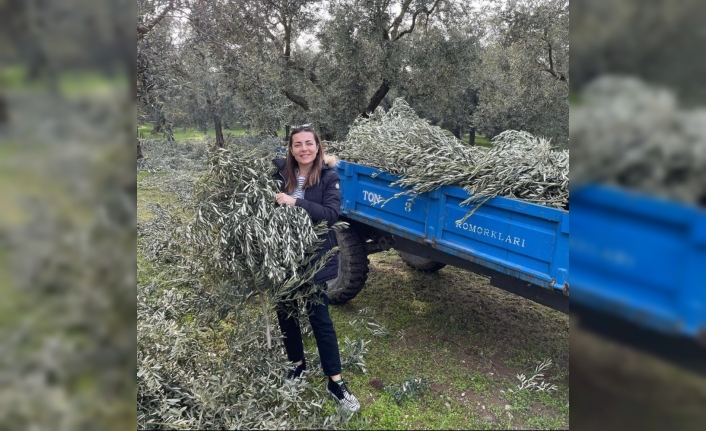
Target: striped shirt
[298, 192]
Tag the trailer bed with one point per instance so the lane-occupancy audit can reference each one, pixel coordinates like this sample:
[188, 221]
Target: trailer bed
[521, 240]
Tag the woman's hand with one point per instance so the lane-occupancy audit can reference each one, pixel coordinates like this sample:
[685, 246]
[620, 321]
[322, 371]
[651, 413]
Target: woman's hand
[285, 199]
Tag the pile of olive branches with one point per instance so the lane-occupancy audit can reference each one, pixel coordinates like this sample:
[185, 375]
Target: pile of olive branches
[631, 134]
[189, 155]
[194, 373]
[203, 365]
[175, 164]
[427, 157]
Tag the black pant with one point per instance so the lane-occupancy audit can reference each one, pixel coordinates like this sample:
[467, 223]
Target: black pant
[324, 333]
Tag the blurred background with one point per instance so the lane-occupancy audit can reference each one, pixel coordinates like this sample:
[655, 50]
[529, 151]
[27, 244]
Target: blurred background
[638, 153]
[67, 218]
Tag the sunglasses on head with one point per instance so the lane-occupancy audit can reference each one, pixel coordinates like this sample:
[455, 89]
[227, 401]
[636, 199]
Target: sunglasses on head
[300, 127]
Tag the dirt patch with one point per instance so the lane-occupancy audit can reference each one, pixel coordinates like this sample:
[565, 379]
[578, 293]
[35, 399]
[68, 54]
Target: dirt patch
[472, 398]
[376, 382]
[487, 364]
[502, 370]
[439, 387]
[493, 366]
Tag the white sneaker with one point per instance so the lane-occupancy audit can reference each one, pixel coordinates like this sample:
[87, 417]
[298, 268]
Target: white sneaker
[341, 394]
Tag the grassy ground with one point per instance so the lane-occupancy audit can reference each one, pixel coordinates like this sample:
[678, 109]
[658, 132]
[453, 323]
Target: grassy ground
[182, 133]
[481, 140]
[465, 338]
[68, 83]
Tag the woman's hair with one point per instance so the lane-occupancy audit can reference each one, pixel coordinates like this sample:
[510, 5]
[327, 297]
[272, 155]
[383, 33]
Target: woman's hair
[290, 168]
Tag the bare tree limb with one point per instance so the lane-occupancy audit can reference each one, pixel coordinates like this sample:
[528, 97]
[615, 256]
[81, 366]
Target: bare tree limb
[414, 18]
[311, 75]
[396, 23]
[558, 75]
[296, 99]
[142, 30]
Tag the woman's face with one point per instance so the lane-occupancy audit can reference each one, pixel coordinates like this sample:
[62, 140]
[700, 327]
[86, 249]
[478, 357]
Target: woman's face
[304, 148]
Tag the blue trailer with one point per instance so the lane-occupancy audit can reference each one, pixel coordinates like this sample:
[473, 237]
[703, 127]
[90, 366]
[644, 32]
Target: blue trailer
[634, 257]
[522, 247]
[641, 259]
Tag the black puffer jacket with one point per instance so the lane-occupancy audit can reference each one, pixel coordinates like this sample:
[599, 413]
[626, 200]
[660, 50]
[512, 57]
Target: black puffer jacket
[322, 202]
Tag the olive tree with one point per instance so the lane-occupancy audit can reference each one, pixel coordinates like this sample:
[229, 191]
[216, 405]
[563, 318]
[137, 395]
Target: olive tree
[441, 76]
[525, 79]
[265, 47]
[205, 91]
[156, 73]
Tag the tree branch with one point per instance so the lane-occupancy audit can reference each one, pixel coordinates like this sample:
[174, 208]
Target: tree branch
[296, 99]
[142, 30]
[414, 19]
[293, 65]
[558, 75]
[396, 23]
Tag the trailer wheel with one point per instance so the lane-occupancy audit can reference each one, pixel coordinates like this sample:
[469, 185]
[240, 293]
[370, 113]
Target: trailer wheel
[421, 263]
[352, 267]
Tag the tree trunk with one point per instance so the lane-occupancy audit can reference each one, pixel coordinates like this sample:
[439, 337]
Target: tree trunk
[327, 135]
[472, 137]
[168, 132]
[456, 131]
[139, 150]
[297, 99]
[377, 97]
[220, 142]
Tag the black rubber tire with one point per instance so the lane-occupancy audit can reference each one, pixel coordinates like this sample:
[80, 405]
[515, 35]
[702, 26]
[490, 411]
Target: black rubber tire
[352, 268]
[421, 263]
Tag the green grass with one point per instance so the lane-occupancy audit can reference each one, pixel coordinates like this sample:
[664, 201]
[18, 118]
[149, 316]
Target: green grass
[183, 133]
[77, 84]
[10, 188]
[12, 76]
[465, 337]
[69, 83]
[481, 140]
[147, 195]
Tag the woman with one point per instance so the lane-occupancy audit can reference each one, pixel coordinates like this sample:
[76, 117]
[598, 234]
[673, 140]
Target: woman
[309, 181]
